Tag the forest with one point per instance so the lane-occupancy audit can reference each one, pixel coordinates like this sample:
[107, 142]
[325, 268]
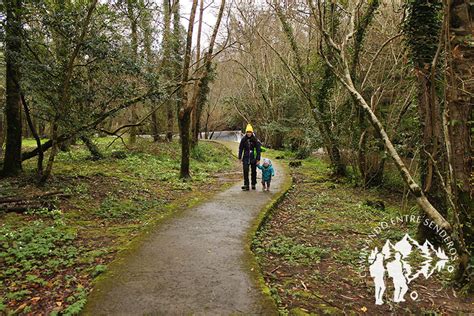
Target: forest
[112, 123]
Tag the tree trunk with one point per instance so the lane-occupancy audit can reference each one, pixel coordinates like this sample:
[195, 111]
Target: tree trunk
[39, 168]
[201, 88]
[278, 140]
[52, 154]
[339, 168]
[2, 133]
[206, 126]
[12, 161]
[370, 167]
[345, 78]
[147, 43]
[201, 101]
[88, 126]
[26, 131]
[318, 105]
[412, 185]
[422, 31]
[184, 112]
[67, 65]
[319, 112]
[154, 127]
[184, 122]
[460, 100]
[431, 151]
[134, 46]
[170, 121]
[196, 112]
[170, 58]
[41, 128]
[93, 149]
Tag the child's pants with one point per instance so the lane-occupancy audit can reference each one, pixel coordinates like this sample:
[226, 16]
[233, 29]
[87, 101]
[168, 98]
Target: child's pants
[266, 182]
[253, 166]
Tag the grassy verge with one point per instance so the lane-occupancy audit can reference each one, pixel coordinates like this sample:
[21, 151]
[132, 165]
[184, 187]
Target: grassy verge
[309, 249]
[250, 259]
[49, 257]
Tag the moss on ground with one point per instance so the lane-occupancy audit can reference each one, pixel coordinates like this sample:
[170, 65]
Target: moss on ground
[309, 248]
[48, 257]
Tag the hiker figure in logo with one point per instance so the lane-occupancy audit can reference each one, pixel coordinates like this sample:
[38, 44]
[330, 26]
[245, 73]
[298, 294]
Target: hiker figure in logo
[377, 271]
[249, 153]
[395, 271]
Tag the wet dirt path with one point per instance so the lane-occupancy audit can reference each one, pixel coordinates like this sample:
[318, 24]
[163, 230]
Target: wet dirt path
[191, 264]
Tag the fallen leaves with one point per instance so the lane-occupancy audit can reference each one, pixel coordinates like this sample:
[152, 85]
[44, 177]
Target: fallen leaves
[329, 218]
[457, 53]
[21, 307]
[304, 286]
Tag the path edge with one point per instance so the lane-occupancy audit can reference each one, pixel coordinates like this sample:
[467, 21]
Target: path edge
[104, 281]
[264, 215]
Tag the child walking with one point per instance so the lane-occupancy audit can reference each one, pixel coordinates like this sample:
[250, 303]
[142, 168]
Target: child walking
[267, 173]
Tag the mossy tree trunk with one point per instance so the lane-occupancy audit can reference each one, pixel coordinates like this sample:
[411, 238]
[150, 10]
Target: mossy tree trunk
[131, 12]
[184, 112]
[168, 64]
[318, 105]
[92, 147]
[370, 166]
[67, 63]
[12, 161]
[422, 31]
[196, 113]
[341, 70]
[149, 57]
[460, 101]
[201, 87]
[2, 133]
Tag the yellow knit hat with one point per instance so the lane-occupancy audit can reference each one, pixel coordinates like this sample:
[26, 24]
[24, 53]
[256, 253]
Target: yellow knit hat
[249, 128]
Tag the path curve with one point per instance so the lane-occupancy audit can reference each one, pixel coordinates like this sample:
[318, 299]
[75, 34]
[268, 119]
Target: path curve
[193, 263]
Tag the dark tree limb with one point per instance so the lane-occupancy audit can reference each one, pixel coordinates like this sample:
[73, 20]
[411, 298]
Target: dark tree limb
[93, 149]
[84, 128]
[14, 199]
[26, 203]
[35, 135]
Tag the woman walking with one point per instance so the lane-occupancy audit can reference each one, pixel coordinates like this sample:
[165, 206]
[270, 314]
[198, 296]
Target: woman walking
[249, 153]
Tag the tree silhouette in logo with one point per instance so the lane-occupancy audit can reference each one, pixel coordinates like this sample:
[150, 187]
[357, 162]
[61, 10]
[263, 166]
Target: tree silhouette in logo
[395, 260]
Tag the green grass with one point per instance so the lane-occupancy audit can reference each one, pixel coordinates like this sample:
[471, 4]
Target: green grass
[292, 251]
[55, 253]
[316, 235]
[321, 225]
[30, 143]
[144, 161]
[126, 209]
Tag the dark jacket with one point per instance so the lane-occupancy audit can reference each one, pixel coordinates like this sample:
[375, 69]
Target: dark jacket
[249, 149]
